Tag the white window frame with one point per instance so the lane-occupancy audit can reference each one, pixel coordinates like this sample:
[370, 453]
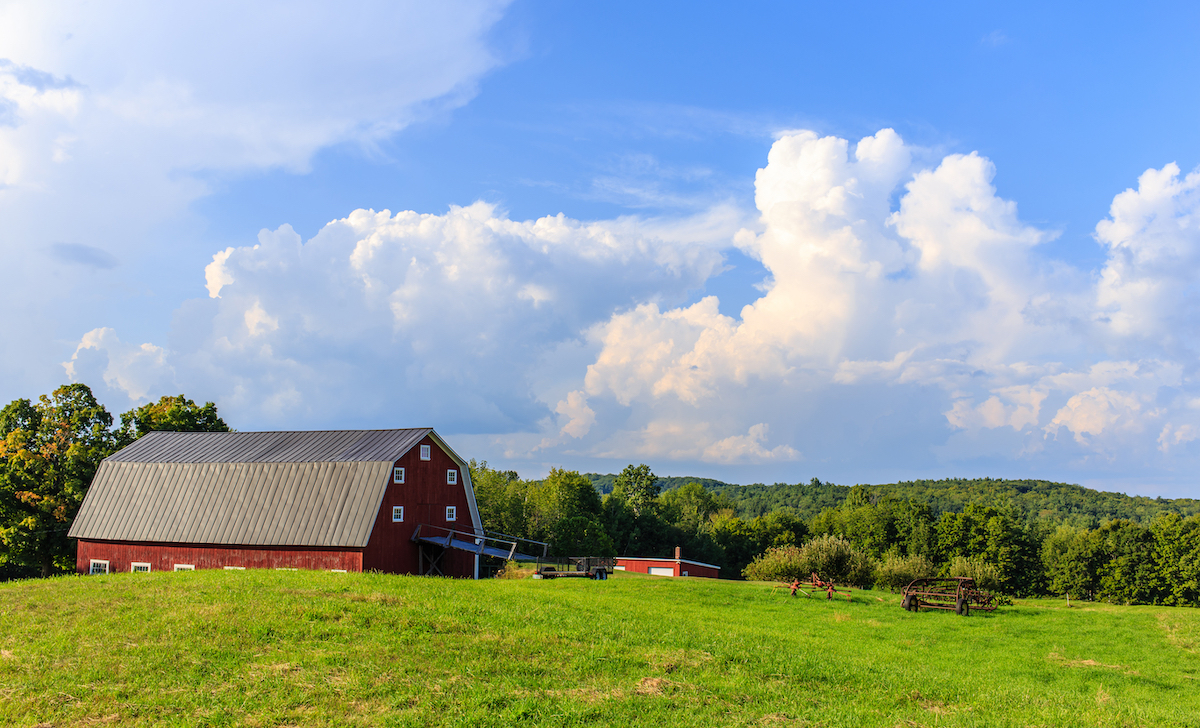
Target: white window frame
[451, 514]
[185, 567]
[133, 567]
[397, 514]
[425, 452]
[98, 562]
[234, 568]
[398, 476]
[451, 477]
[338, 571]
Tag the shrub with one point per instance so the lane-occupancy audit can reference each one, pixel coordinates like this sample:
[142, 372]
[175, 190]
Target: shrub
[896, 571]
[779, 563]
[986, 576]
[830, 557]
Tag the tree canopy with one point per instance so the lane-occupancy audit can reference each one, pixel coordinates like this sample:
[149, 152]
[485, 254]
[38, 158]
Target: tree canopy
[49, 453]
[50, 450]
[177, 414]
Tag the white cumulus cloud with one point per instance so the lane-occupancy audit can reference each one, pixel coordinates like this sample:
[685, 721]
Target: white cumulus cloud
[909, 317]
[116, 118]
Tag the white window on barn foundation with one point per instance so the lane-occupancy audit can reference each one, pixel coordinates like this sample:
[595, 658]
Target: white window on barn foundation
[398, 475]
[235, 568]
[185, 567]
[451, 477]
[424, 452]
[451, 513]
[99, 566]
[397, 514]
[140, 567]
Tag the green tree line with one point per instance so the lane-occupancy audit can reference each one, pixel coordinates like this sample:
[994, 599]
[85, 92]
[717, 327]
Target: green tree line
[1020, 538]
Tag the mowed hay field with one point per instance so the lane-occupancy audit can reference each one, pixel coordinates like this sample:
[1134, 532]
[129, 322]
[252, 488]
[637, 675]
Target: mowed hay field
[261, 648]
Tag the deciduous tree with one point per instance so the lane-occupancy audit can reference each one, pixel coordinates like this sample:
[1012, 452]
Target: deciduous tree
[177, 414]
[48, 455]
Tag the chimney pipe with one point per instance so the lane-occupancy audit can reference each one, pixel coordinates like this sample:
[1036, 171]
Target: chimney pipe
[678, 553]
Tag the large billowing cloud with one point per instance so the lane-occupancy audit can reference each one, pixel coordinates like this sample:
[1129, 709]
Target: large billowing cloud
[409, 317]
[909, 320]
[115, 118]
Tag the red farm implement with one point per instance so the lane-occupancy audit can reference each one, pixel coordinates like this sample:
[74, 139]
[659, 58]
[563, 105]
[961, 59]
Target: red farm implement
[956, 593]
[815, 586]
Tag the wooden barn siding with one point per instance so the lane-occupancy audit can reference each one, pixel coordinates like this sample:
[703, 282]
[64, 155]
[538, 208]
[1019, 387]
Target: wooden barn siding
[642, 566]
[424, 496]
[696, 570]
[164, 556]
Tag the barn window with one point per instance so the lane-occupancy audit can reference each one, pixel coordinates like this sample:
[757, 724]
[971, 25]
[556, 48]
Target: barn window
[397, 514]
[140, 566]
[451, 513]
[185, 567]
[424, 452]
[397, 475]
[235, 568]
[99, 566]
[451, 477]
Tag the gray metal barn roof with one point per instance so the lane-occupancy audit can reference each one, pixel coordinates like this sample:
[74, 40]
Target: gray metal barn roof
[246, 488]
[329, 446]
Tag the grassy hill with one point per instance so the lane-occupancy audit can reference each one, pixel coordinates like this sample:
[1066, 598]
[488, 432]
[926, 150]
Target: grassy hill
[264, 648]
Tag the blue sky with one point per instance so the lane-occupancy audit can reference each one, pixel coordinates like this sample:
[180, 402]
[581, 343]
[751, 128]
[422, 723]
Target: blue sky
[599, 206]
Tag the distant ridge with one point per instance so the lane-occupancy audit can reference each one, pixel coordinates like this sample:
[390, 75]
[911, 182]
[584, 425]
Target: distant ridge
[604, 483]
[1033, 499]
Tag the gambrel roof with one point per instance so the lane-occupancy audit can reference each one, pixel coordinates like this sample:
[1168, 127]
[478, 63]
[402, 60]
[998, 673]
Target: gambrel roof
[311, 489]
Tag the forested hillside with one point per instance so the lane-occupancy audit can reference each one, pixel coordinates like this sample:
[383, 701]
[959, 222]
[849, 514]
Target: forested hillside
[1033, 499]
[604, 483]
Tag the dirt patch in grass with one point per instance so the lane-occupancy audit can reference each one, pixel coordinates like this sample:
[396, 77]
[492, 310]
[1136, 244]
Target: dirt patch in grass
[652, 686]
[1059, 659]
[668, 661]
[937, 707]
[376, 598]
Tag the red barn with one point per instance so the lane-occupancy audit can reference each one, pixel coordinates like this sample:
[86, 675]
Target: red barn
[677, 566]
[398, 501]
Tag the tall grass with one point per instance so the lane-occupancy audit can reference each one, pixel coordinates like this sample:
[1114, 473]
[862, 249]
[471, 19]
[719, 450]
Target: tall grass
[265, 648]
[896, 572]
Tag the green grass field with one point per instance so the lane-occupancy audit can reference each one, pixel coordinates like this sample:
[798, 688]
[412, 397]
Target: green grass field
[260, 648]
